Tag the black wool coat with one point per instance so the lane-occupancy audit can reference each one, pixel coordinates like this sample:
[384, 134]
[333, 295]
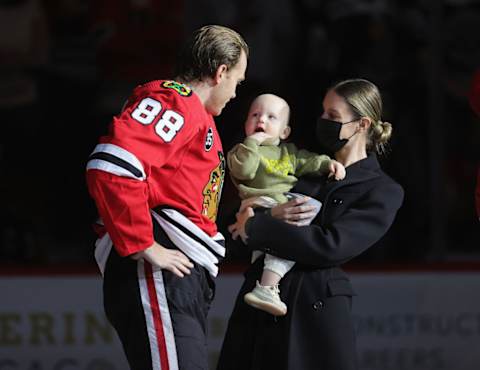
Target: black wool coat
[317, 332]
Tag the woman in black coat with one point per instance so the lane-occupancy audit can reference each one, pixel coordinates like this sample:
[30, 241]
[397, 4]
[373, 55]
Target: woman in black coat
[317, 332]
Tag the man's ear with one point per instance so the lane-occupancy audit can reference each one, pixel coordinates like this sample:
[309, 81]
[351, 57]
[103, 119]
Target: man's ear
[285, 133]
[220, 73]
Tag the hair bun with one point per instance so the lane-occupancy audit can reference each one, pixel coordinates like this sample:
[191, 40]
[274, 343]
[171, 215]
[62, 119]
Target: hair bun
[379, 135]
[382, 132]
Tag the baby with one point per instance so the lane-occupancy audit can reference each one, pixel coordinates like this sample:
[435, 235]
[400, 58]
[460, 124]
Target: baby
[264, 169]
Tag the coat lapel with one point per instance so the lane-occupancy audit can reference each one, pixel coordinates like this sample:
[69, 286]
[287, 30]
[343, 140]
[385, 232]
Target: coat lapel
[362, 171]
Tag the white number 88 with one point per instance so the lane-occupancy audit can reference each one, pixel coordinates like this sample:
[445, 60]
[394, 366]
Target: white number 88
[167, 126]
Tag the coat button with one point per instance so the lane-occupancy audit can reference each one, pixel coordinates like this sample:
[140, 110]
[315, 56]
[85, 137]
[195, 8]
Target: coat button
[337, 201]
[317, 305]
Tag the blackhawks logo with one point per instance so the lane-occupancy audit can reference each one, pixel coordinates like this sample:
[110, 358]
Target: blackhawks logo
[182, 89]
[213, 190]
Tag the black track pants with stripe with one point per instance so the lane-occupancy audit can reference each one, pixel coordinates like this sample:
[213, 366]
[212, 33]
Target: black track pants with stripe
[161, 319]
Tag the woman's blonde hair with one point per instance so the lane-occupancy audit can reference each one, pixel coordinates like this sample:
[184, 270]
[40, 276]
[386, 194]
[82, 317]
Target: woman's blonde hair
[364, 99]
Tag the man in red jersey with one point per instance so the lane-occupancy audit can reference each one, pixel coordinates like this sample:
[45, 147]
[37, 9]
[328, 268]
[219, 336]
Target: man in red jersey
[156, 179]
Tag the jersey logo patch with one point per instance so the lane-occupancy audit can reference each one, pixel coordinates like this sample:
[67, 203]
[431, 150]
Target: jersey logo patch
[213, 190]
[181, 89]
[209, 140]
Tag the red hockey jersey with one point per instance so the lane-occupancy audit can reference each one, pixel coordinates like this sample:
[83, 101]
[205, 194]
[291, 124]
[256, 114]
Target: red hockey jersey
[162, 150]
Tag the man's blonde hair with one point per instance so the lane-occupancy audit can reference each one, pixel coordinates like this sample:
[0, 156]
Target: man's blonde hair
[207, 49]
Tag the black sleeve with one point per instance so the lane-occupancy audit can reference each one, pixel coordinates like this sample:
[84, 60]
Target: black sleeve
[323, 246]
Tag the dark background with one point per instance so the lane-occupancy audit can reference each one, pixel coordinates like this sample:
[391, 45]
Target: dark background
[66, 67]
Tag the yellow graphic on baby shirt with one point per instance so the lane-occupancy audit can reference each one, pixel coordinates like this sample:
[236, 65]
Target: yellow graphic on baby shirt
[282, 167]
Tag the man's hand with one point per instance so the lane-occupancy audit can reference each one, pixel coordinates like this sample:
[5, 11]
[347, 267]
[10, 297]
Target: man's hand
[168, 259]
[337, 170]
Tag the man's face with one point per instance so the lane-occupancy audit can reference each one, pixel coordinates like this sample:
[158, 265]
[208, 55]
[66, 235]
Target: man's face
[225, 90]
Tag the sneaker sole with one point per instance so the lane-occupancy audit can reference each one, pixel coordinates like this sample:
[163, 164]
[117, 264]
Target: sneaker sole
[253, 301]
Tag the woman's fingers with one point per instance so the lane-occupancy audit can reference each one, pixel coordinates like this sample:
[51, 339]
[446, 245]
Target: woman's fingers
[299, 213]
[303, 209]
[301, 223]
[299, 200]
[296, 205]
[298, 222]
[302, 216]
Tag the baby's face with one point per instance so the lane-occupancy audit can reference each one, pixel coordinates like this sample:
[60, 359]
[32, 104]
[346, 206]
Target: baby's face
[268, 114]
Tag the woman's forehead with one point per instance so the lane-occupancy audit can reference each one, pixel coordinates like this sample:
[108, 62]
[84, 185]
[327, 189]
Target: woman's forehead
[335, 103]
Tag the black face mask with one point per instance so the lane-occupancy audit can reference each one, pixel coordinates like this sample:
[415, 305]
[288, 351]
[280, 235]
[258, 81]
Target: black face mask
[328, 134]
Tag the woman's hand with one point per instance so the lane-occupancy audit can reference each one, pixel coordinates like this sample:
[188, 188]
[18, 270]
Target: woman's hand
[296, 211]
[238, 228]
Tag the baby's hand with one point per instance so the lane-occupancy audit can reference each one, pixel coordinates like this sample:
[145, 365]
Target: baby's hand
[337, 170]
[261, 137]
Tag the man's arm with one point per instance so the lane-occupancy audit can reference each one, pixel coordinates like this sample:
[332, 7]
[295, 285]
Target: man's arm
[118, 170]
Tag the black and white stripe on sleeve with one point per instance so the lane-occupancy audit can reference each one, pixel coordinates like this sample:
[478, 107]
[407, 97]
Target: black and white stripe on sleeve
[117, 161]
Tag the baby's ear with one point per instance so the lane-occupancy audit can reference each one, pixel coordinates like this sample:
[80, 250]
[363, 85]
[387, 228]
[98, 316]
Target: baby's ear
[286, 133]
